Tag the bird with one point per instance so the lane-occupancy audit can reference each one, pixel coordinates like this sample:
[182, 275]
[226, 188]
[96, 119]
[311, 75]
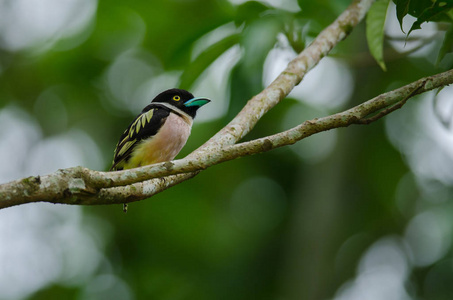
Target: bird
[159, 132]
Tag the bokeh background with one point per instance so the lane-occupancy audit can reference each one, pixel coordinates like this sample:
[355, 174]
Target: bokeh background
[364, 212]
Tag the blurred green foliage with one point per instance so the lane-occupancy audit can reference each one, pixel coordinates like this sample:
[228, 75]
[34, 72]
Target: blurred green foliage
[296, 223]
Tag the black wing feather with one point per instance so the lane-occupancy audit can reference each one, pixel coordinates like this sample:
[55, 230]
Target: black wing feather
[142, 127]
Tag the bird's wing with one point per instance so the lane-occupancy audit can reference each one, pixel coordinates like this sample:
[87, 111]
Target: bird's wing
[145, 125]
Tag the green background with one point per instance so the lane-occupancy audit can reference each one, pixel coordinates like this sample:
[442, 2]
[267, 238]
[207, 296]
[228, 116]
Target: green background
[363, 212]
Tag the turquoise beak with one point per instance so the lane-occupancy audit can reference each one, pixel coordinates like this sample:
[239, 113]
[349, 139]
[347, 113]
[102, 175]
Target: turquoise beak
[198, 101]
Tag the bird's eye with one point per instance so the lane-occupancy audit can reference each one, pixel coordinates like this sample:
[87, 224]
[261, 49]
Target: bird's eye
[176, 98]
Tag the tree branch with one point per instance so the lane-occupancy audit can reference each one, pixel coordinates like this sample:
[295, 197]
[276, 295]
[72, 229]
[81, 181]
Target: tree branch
[83, 186]
[256, 107]
[381, 105]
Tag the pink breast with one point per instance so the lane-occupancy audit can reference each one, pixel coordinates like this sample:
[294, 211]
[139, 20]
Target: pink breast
[168, 141]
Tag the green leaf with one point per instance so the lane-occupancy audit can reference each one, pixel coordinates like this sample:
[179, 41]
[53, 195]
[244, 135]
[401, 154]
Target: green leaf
[423, 10]
[402, 9]
[205, 59]
[258, 39]
[321, 11]
[375, 22]
[432, 13]
[249, 11]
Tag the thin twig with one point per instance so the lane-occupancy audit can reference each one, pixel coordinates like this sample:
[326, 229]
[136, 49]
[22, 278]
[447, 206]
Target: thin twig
[392, 108]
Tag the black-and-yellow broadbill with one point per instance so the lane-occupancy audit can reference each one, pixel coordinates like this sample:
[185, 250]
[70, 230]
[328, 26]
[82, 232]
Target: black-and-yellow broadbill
[159, 132]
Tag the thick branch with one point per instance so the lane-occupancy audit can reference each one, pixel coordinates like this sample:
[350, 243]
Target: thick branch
[73, 186]
[381, 105]
[84, 186]
[269, 97]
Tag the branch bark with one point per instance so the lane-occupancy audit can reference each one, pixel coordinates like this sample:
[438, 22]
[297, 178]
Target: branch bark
[256, 107]
[83, 186]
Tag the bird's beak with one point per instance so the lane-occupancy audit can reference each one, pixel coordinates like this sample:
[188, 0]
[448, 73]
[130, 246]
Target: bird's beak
[198, 101]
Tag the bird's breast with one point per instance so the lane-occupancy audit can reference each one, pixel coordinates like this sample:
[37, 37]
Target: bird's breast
[165, 144]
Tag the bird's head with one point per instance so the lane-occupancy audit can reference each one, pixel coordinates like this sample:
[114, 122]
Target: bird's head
[181, 99]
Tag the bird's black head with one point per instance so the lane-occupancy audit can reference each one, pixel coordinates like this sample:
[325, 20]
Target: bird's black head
[181, 99]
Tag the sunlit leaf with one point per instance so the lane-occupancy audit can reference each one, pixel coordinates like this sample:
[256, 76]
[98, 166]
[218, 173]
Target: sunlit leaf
[321, 11]
[249, 11]
[246, 77]
[258, 39]
[375, 22]
[205, 59]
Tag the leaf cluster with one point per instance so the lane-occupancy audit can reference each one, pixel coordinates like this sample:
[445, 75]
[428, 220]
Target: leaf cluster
[438, 11]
